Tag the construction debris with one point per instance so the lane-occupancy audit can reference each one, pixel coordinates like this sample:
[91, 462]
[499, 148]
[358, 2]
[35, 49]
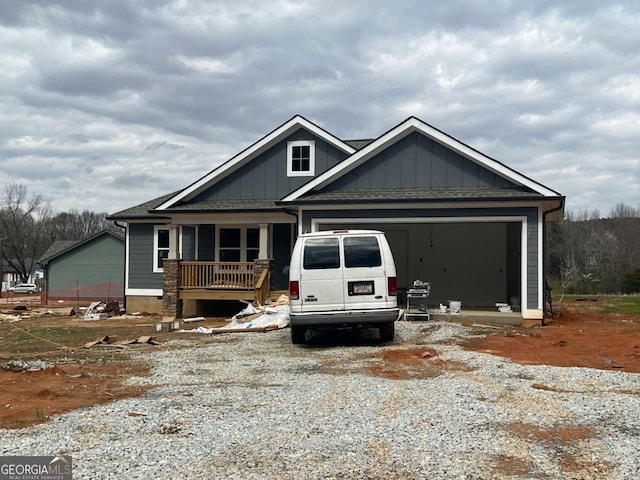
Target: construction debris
[95, 311]
[167, 325]
[262, 318]
[193, 319]
[107, 341]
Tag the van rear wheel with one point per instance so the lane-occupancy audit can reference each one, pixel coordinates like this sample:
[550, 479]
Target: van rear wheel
[387, 331]
[297, 335]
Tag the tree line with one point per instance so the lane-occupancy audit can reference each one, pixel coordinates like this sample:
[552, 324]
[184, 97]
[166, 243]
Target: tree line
[29, 226]
[590, 254]
[585, 252]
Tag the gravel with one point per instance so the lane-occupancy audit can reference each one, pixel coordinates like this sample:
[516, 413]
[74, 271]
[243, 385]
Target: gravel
[254, 406]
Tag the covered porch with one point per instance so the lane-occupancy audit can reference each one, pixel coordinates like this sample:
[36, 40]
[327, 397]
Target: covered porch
[201, 265]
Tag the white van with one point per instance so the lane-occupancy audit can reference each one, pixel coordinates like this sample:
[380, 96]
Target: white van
[342, 278]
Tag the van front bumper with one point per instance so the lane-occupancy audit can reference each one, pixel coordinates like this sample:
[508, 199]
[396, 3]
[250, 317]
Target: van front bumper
[344, 318]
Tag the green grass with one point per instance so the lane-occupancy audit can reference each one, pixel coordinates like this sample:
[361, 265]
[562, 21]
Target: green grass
[625, 305]
[613, 304]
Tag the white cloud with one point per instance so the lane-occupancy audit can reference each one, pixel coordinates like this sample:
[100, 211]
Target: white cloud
[96, 99]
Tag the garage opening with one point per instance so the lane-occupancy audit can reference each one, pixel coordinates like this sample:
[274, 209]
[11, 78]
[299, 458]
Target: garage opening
[478, 264]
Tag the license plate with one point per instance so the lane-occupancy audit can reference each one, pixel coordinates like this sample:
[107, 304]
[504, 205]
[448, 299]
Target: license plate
[361, 288]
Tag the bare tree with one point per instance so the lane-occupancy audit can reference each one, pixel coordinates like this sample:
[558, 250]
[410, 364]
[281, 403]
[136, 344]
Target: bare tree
[21, 219]
[590, 254]
[76, 225]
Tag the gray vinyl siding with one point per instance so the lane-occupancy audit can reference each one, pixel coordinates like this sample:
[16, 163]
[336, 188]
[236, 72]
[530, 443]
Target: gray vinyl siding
[532, 260]
[100, 261]
[188, 243]
[531, 214]
[418, 161]
[282, 247]
[141, 274]
[206, 243]
[265, 177]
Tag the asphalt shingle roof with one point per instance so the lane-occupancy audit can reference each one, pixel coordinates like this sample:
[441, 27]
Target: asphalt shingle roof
[141, 210]
[226, 205]
[420, 194]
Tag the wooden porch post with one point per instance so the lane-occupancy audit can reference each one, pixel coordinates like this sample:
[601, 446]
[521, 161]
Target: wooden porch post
[263, 253]
[174, 242]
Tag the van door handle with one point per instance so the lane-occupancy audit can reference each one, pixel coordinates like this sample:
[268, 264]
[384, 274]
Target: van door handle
[378, 297]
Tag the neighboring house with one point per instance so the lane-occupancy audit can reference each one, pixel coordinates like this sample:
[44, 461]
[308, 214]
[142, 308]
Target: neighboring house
[465, 222]
[87, 270]
[10, 277]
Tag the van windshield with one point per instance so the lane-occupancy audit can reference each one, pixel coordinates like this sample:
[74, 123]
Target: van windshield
[321, 253]
[361, 252]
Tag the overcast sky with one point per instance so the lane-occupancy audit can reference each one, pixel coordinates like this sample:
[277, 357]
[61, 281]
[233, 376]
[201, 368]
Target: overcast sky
[104, 105]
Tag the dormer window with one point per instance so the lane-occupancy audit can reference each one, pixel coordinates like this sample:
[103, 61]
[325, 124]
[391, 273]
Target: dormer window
[301, 158]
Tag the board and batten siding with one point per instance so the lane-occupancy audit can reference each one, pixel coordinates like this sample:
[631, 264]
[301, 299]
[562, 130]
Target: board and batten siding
[100, 261]
[140, 268]
[265, 177]
[188, 243]
[418, 161]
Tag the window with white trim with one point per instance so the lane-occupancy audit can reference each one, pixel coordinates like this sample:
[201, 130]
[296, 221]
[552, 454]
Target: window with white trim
[301, 158]
[160, 247]
[238, 244]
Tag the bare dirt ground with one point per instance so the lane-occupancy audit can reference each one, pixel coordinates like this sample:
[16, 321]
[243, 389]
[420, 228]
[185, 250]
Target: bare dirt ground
[77, 376]
[578, 335]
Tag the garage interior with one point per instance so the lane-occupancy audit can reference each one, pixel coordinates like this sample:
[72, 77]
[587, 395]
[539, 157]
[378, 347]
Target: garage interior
[478, 264]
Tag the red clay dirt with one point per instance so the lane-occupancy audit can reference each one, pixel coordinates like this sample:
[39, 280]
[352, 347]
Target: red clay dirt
[31, 397]
[575, 337]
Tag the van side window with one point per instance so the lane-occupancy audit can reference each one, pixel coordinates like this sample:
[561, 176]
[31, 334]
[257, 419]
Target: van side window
[321, 253]
[361, 252]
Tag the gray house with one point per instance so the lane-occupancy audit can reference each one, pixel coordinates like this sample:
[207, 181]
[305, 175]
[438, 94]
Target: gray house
[86, 270]
[465, 222]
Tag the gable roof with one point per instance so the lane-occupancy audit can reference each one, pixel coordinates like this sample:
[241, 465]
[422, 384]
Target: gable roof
[413, 124]
[61, 247]
[141, 211]
[250, 153]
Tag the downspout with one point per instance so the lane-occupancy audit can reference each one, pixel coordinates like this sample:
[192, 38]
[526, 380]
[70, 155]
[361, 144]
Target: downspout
[544, 252]
[294, 214]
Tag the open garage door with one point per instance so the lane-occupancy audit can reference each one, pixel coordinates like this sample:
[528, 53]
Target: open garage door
[477, 263]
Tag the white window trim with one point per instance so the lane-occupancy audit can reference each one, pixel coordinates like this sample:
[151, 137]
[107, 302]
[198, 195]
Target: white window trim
[312, 158]
[156, 228]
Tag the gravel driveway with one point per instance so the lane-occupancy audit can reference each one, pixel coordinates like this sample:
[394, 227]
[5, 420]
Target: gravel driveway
[253, 406]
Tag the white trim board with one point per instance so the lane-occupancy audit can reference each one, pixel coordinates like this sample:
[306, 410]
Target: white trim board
[143, 292]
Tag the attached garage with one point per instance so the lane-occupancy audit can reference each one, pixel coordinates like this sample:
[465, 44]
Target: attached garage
[454, 217]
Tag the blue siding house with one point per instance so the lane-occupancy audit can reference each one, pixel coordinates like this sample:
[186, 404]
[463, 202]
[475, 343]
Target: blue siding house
[88, 270]
[468, 224]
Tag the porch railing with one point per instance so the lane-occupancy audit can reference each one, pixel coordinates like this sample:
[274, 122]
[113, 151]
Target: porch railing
[219, 275]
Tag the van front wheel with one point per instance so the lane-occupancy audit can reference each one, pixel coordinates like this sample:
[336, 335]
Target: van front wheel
[297, 335]
[387, 332]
